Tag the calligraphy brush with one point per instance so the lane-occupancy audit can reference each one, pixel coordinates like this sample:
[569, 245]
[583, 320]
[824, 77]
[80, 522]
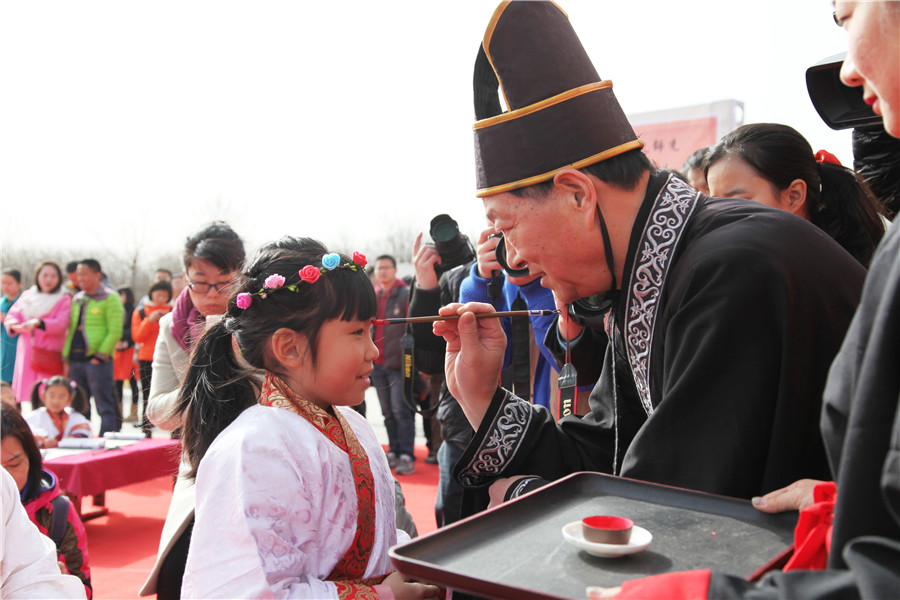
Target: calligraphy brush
[432, 318]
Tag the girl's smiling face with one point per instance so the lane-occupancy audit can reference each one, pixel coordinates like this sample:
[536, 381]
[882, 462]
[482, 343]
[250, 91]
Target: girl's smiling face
[57, 398]
[344, 359]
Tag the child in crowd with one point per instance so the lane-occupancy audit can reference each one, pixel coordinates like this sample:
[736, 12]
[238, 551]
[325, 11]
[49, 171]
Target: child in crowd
[60, 416]
[39, 492]
[124, 365]
[277, 452]
[144, 331]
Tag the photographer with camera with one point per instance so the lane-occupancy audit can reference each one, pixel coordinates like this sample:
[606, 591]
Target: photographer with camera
[441, 268]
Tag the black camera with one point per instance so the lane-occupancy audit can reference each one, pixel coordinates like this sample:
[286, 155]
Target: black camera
[840, 106]
[454, 248]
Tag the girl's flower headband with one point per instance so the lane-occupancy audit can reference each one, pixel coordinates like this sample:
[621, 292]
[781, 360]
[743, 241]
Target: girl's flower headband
[309, 274]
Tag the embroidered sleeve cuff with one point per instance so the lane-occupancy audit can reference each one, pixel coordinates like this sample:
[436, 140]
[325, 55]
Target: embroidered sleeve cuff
[523, 486]
[497, 440]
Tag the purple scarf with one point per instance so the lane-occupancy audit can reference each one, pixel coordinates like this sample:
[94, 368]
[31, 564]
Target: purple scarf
[187, 322]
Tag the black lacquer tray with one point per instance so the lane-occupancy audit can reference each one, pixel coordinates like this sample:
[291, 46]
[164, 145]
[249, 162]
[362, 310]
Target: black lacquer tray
[517, 550]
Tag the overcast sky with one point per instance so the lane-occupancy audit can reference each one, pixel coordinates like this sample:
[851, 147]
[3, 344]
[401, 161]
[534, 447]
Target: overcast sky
[338, 120]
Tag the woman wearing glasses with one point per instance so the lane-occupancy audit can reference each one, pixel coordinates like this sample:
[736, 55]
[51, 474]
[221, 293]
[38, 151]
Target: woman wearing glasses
[212, 259]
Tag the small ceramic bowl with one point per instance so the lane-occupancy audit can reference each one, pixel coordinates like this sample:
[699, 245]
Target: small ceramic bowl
[606, 529]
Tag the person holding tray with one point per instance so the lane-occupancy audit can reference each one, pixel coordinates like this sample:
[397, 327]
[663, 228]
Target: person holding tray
[856, 523]
[723, 315]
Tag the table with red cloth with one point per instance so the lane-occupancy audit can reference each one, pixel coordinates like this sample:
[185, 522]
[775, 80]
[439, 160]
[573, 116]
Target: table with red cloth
[92, 472]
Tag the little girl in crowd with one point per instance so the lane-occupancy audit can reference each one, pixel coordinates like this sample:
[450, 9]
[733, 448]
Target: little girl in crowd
[57, 418]
[294, 494]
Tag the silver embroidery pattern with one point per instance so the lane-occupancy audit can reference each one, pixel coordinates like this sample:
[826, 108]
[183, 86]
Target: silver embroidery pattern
[503, 440]
[668, 218]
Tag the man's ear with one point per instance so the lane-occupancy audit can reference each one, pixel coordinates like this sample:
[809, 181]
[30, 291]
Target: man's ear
[289, 347]
[578, 189]
[794, 197]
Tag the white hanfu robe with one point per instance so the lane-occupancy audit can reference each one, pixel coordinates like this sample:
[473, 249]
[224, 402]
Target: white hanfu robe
[41, 423]
[277, 509]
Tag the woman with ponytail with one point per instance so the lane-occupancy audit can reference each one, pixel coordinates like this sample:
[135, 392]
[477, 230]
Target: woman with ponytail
[774, 165]
[295, 497]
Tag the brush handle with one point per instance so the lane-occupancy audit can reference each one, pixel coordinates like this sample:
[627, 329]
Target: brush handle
[433, 318]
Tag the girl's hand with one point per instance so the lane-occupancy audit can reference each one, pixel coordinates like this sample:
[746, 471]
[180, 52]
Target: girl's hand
[156, 315]
[405, 589]
[31, 325]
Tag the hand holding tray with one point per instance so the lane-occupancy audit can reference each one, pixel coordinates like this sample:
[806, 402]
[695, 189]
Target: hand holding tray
[517, 550]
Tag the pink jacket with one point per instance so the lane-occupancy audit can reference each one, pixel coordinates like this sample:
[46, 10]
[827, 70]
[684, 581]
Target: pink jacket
[56, 323]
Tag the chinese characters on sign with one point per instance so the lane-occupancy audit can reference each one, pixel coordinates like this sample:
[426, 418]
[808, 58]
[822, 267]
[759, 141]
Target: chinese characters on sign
[669, 143]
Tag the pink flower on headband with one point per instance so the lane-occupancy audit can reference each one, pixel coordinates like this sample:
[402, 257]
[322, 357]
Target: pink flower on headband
[273, 282]
[360, 259]
[310, 274]
[244, 300]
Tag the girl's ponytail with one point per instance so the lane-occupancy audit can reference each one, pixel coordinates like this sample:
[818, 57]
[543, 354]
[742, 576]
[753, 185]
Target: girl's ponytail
[216, 389]
[848, 212]
[36, 401]
[81, 402]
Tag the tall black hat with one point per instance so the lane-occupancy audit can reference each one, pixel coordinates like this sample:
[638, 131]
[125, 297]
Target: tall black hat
[560, 113]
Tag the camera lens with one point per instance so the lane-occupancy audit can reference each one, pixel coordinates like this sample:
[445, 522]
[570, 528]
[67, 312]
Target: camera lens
[443, 229]
[453, 248]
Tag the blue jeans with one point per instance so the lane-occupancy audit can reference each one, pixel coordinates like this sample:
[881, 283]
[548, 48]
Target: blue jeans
[399, 420]
[97, 381]
[447, 506]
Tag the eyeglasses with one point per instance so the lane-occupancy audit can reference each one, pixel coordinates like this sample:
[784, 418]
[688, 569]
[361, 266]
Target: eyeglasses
[203, 287]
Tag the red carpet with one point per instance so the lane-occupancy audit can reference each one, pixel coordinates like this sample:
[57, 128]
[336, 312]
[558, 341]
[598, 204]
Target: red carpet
[123, 544]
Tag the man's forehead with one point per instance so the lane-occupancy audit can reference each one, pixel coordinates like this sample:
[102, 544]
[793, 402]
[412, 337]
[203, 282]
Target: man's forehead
[501, 205]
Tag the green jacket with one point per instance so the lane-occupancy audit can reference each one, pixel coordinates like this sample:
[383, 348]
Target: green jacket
[104, 316]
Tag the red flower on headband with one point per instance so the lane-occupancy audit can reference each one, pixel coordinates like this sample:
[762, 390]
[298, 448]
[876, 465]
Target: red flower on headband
[360, 259]
[310, 274]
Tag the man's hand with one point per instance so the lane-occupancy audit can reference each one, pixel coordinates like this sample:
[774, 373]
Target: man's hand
[424, 257]
[796, 496]
[475, 349]
[486, 251]
[498, 489]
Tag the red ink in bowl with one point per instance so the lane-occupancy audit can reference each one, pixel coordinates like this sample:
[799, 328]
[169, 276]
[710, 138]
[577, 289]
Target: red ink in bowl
[601, 529]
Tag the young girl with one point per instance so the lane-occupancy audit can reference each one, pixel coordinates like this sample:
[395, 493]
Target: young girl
[144, 331]
[57, 418]
[40, 494]
[294, 494]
